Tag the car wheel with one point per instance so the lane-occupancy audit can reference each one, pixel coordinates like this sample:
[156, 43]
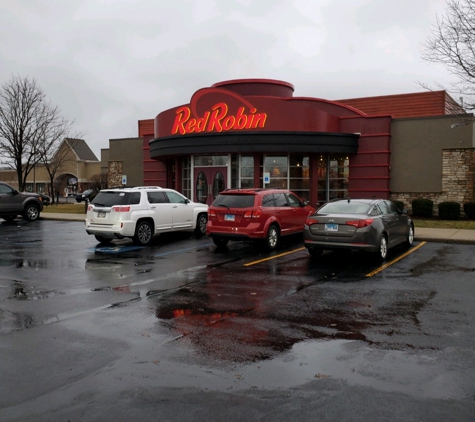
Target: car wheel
[32, 212]
[201, 223]
[143, 233]
[102, 239]
[78, 200]
[383, 247]
[410, 236]
[315, 252]
[272, 238]
[9, 218]
[220, 241]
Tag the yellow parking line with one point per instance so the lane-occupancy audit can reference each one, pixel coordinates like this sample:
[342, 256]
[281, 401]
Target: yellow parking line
[395, 260]
[273, 257]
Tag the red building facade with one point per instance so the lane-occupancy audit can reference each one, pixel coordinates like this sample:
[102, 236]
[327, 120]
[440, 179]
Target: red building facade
[255, 133]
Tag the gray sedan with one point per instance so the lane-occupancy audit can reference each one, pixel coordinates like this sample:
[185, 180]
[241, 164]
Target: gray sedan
[372, 225]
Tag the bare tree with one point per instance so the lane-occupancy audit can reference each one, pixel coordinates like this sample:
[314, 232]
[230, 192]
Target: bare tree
[28, 125]
[452, 44]
[55, 158]
[98, 182]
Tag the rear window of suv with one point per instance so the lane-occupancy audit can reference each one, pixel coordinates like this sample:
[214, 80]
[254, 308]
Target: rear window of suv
[109, 199]
[234, 201]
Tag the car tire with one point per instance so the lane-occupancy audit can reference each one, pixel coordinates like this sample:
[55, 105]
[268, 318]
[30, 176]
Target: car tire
[32, 212]
[9, 218]
[383, 248]
[78, 200]
[201, 223]
[272, 237]
[410, 236]
[102, 239]
[315, 252]
[220, 242]
[143, 233]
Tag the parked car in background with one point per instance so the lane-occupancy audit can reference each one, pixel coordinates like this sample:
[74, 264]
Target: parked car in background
[14, 203]
[371, 225]
[45, 199]
[84, 195]
[142, 212]
[256, 214]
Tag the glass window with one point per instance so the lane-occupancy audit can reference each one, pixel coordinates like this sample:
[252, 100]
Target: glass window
[268, 201]
[156, 197]
[280, 200]
[392, 207]
[211, 160]
[176, 198]
[186, 172]
[293, 200]
[234, 201]
[247, 171]
[383, 207]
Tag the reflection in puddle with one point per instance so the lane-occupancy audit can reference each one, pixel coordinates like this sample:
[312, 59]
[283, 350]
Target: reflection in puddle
[252, 317]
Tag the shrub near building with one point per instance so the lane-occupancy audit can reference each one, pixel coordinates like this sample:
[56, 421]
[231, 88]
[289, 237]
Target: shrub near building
[469, 209]
[422, 208]
[449, 211]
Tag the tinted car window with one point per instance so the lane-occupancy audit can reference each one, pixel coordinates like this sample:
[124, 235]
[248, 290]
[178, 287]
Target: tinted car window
[345, 207]
[383, 207]
[5, 189]
[280, 200]
[392, 207]
[268, 201]
[234, 201]
[109, 199]
[174, 198]
[294, 201]
[156, 197]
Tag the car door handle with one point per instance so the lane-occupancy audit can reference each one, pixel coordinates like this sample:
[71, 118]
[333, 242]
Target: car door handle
[174, 206]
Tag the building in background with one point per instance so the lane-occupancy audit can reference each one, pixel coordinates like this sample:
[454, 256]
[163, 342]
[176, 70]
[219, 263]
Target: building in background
[78, 165]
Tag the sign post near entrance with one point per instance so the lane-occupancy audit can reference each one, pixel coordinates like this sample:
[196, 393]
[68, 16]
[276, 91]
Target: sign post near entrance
[266, 178]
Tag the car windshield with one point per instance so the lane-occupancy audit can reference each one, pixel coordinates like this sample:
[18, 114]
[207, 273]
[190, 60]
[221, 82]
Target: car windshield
[345, 207]
[108, 198]
[234, 201]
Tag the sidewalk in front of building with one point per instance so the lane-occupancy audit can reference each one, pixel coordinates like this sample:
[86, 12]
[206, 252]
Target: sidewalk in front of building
[427, 234]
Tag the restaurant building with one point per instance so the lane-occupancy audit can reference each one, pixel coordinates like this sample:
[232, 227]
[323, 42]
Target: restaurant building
[255, 133]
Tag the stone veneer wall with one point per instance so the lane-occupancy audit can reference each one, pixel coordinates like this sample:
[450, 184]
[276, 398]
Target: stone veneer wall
[458, 181]
[114, 174]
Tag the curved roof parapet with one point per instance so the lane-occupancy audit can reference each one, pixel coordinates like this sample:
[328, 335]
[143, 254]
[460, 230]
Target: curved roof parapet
[258, 87]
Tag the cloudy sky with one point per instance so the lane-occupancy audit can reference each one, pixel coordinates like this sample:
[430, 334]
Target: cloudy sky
[109, 63]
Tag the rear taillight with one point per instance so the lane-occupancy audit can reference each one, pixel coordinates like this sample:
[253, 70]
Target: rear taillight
[90, 207]
[359, 224]
[252, 214]
[309, 221]
[211, 213]
[121, 209]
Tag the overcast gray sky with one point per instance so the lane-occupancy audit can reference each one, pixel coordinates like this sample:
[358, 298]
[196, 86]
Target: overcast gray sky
[109, 63]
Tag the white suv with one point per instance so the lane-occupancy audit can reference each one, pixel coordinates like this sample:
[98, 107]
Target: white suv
[142, 212]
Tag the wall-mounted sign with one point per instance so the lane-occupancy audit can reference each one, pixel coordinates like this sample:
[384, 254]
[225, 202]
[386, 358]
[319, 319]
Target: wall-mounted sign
[124, 179]
[217, 119]
[266, 178]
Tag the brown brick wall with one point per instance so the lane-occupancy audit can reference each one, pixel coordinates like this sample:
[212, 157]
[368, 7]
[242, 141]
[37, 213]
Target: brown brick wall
[114, 176]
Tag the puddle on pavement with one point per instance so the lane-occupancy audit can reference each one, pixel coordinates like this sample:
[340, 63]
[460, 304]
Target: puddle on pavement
[250, 319]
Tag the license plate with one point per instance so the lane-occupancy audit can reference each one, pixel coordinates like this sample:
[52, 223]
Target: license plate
[229, 217]
[101, 214]
[331, 227]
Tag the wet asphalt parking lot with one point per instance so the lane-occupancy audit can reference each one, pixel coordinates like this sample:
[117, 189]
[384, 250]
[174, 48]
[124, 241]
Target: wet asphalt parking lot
[182, 330]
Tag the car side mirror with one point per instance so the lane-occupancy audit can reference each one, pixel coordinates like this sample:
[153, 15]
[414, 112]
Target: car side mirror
[15, 192]
[304, 203]
[187, 201]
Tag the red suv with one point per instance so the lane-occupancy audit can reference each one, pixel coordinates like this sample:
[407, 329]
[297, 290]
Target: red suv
[252, 214]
